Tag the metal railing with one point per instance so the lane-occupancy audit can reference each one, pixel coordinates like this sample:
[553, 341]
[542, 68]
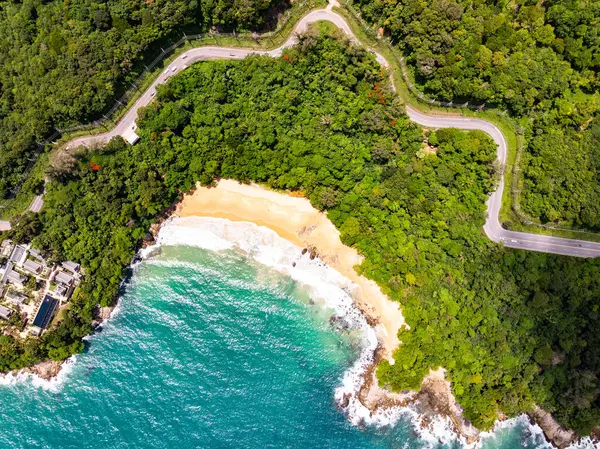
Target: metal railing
[515, 189]
[404, 69]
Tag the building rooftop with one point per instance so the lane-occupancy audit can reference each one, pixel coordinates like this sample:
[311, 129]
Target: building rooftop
[5, 312]
[64, 278]
[35, 253]
[61, 289]
[71, 266]
[15, 298]
[32, 267]
[17, 253]
[15, 277]
[130, 136]
[6, 247]
[45, 312]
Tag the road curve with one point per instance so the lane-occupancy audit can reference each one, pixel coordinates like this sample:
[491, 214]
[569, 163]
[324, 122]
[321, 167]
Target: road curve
[35, 206]
[493, 229]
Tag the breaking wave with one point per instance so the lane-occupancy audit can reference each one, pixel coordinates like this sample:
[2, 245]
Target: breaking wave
[332, 291]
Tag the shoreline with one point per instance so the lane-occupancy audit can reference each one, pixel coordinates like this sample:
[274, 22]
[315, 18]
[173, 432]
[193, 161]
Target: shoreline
[49, 370]
[295, 220]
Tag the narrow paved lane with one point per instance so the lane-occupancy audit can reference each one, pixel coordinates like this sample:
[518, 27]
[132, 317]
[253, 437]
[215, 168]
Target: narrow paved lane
[35, 206]
[493, 229]
[37, 203]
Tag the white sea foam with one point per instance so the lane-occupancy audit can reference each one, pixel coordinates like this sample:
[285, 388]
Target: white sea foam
[333, 291]
[585, 443]
[326, 286]
[54, 384]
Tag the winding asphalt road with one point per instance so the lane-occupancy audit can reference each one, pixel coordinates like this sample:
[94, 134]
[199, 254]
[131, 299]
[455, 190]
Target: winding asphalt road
[492, 228]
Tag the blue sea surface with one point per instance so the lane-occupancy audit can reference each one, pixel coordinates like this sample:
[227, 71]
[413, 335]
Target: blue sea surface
[208, 350]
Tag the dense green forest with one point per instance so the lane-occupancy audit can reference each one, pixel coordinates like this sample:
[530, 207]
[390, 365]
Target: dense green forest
[513, 328]
[64, 61]
[538, 60]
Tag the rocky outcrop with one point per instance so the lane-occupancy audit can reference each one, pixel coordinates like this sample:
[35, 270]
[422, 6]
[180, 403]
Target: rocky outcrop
[46, 370]
[554, 432]
[102, 314]
[436, 398]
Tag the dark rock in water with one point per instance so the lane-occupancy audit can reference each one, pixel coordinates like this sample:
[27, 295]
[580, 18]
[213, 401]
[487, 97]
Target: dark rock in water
[304, 251]
[338, 323]
[293, 264]
[345, 401]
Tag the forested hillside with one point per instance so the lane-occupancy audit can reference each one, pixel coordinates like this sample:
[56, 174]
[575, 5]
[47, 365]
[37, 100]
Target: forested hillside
[511, 327]
[539, 60]
[63, 61]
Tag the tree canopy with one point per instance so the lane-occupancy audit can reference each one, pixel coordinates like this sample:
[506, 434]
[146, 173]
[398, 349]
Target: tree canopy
[512, 328]
[537, 60]
[64, 62]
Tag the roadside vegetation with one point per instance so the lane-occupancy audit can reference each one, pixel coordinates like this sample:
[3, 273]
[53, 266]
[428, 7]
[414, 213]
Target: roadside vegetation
[512, 328]
[64, 62]
[538, 61]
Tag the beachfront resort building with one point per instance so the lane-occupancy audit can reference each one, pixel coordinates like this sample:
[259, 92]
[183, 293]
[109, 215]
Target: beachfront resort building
[18, 255]
[73, 267]
[32, 267]
[5, 313]
[37, 302]
[63, 277]
[6, 248]
[16, 279]
[15, 298]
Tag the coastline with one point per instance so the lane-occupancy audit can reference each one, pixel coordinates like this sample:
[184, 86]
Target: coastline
[295, 220]
[433, 410]
[50, 373]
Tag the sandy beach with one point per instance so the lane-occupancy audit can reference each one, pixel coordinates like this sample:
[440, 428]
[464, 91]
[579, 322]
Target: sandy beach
[295, 220]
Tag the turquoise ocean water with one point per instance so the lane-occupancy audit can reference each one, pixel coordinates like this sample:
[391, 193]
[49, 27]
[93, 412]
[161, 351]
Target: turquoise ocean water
[208, 350]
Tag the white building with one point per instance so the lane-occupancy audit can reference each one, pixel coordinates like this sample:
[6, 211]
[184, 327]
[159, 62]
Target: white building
[61, 290]
[15, 298]
[5, 312]
[16, 279]
[18, 254]
[130, 135]
[6, 248]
